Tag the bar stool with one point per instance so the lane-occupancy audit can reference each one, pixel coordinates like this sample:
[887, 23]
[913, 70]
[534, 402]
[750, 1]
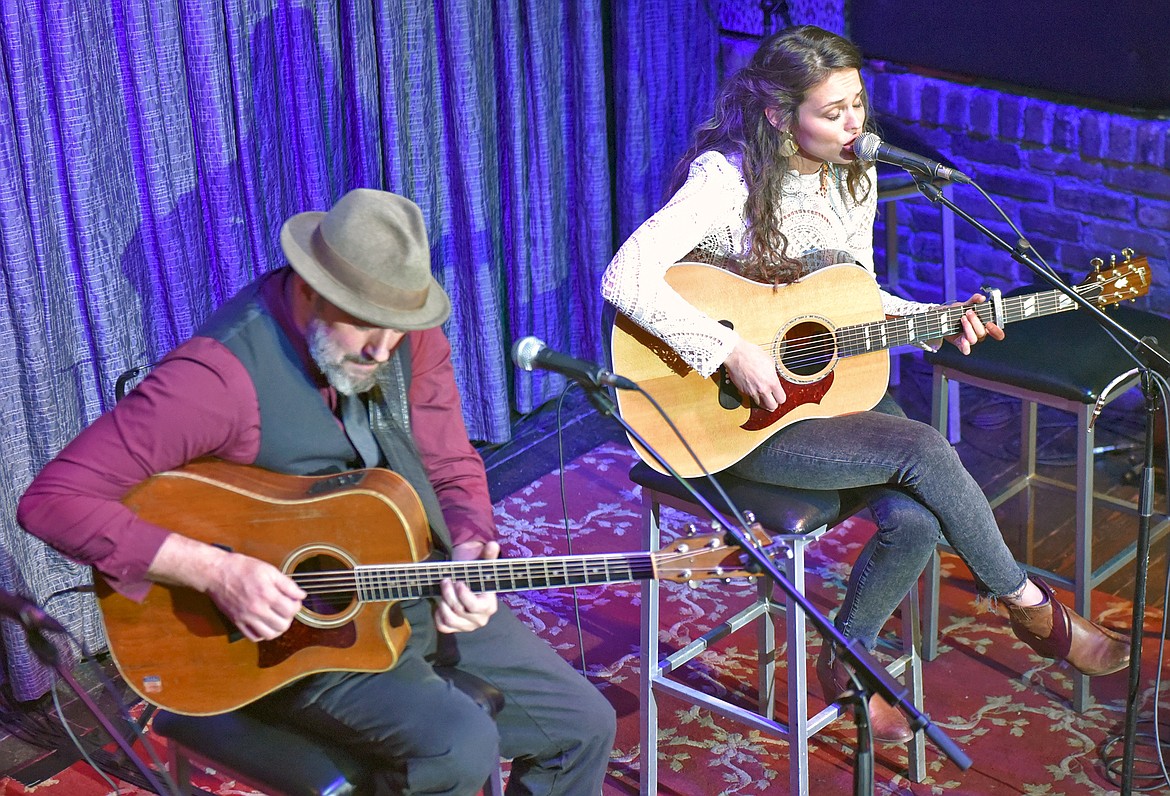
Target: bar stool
[1066, 362]
[799, 518]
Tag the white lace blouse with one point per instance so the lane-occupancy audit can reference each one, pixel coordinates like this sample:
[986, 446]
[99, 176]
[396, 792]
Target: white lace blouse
[704, 220]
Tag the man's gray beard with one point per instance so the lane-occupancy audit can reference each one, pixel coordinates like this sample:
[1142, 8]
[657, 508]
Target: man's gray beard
[330, 362]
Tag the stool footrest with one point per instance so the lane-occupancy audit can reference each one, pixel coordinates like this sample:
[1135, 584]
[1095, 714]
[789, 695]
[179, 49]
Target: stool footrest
[816, 723]
[699, 645]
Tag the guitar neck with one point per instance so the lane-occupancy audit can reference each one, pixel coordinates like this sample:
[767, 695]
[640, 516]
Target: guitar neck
[407, 581]
[943, 322]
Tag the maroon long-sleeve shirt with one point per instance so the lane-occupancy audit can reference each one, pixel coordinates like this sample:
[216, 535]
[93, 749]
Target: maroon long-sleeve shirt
[200, 401]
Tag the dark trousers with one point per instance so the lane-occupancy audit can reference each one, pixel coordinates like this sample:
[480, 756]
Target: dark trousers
[431, 738]
[917, 489]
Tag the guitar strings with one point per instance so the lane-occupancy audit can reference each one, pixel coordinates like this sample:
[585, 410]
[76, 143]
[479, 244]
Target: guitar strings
[821, 348]
[373, 577]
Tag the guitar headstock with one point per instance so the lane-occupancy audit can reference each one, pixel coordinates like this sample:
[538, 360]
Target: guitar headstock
[694, 558]
[1124, 281]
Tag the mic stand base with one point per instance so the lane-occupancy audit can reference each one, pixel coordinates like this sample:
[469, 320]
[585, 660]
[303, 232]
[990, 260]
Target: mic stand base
[863, 777]
[1141, 564]
[48, 655]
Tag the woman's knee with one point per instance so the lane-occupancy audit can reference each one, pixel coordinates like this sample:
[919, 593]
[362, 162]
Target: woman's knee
[932, 448]
[905, 524]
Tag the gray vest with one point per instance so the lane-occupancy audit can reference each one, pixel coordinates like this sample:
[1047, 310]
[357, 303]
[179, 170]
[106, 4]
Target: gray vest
[299, 435]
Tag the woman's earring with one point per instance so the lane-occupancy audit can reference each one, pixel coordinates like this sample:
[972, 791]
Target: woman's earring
[787, 144]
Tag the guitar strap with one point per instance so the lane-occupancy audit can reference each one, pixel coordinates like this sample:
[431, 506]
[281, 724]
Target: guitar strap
[388, 419]
[355, 416]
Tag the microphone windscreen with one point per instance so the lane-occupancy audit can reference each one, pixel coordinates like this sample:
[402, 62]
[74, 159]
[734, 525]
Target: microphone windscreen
[866, 146]
[524, 352]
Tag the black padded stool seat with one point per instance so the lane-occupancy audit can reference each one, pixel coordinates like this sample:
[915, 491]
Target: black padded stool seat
[1067, 355]
[277, 759]
[1069, 363]
[777, 508]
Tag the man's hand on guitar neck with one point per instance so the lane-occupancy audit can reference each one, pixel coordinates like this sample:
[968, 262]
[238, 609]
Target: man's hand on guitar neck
[461, 609]
[974, 329]
[753, 371]
[259, 599]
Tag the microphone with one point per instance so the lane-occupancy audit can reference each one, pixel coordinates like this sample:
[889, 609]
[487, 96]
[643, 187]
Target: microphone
[28, 613]
[869, 147]
[531, 352]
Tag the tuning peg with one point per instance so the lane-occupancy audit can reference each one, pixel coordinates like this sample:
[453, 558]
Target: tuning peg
[749, 517]
[1096, 262]
[691, 529]
[1127, 253]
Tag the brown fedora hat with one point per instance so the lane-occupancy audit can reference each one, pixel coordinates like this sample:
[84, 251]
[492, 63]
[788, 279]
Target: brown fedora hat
[369, 257]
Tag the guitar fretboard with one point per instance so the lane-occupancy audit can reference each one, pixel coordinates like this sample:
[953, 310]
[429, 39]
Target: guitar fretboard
[946, 321]
[408, 581]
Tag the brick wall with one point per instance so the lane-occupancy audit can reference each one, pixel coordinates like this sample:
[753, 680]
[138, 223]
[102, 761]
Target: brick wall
[1079, 183]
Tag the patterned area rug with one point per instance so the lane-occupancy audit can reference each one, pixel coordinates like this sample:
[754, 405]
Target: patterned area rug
[1007, 708]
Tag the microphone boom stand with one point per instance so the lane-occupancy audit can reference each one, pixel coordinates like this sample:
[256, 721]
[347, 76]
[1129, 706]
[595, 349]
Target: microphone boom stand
[869, 675]
[47, 652]
[1148, 357]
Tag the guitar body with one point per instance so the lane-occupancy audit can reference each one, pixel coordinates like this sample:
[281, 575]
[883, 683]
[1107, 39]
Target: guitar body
[720, 425]
[176, 648]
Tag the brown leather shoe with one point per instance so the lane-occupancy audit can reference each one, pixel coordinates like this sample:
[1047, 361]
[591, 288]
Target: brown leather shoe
[887, 724]
[1055, 631]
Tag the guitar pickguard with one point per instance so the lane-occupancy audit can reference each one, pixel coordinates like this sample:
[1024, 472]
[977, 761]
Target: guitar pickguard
[299, 637]
[798, 395]
[805, 349]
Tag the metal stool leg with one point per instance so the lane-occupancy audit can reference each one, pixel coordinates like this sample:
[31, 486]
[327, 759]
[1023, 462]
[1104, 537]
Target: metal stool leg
[941, 390]
[797, 627]
[911, 644]
[650, 615]
[1083, 581]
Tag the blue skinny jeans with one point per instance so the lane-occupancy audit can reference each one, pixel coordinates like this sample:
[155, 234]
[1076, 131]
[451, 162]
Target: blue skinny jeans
[917, 490]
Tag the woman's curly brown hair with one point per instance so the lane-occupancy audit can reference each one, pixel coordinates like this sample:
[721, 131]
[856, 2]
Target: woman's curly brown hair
[787, 66]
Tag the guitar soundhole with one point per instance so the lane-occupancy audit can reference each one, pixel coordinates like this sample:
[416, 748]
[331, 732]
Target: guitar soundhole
[329, 582]
[806, 349]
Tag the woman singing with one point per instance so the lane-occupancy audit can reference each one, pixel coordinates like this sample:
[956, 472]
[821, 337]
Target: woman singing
[770, 185]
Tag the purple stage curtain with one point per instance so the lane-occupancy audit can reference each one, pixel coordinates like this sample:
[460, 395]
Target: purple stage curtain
[151, 149]
[666, 70]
